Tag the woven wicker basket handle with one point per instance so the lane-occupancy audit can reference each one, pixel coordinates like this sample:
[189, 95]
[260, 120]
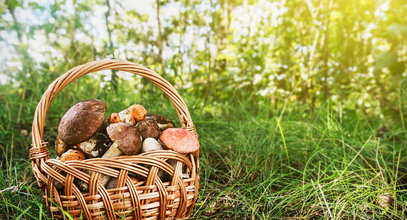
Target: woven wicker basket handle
[39, 150]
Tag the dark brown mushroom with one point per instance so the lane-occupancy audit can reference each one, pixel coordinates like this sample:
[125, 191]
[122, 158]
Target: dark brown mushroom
[148, 129]
[162, 122]
[81, 121]
[126, 139]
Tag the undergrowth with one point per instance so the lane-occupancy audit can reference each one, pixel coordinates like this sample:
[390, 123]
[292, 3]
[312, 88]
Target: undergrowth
[263, 164]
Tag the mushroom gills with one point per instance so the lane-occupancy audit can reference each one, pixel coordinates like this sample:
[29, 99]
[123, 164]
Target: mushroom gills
[162, 122]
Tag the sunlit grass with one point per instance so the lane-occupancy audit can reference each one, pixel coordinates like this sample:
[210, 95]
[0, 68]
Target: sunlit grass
[303, 164]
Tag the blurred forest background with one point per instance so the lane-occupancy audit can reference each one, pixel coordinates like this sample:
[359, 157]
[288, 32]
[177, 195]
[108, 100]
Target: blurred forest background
[307, 87]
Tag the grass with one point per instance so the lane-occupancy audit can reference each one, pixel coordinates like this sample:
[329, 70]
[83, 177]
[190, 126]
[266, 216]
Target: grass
[321, 164]
[332, 171]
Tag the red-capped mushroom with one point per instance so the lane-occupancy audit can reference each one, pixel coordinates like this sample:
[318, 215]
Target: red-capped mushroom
[180, 140]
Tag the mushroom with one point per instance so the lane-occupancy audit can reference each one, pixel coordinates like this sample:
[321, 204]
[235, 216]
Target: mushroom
[96, 146]
[180, 140]
[385, 200]
[60, 146]
[132, 114]
[150, 144]
[148, 129]
[81, 121]
[114, 118]
[162, 122]
[72, 155]
[126, 139]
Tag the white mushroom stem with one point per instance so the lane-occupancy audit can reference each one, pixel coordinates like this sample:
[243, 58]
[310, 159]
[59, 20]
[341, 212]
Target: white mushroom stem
[164, 126]
[113, 151]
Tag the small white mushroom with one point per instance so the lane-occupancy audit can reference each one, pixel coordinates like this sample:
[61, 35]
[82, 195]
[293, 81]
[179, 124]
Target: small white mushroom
[151, 144]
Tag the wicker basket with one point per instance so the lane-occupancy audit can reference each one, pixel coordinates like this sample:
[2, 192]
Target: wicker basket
[147, 197]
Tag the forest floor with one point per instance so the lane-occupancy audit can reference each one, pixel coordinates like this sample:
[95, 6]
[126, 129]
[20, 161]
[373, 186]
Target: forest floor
[294, 165]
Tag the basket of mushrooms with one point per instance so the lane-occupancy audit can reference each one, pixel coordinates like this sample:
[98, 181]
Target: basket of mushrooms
[126, 165]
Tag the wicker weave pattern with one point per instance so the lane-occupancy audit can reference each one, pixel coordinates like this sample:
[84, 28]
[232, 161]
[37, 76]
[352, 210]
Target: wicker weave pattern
[140, 192]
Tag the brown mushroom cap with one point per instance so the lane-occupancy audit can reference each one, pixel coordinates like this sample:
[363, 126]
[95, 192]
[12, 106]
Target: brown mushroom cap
[127, 137]
[162, 122]
[180, 140]
[148, 129]
[72, 155]
[81, 121]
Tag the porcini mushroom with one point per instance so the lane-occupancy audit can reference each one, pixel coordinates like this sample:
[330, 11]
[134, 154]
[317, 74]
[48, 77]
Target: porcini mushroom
[148, 129]
[81, 121]
[180, 140]
[151, 144]
[72, 155]
[132, 114]
[126, 139]
[162, 122]
[96, 146]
